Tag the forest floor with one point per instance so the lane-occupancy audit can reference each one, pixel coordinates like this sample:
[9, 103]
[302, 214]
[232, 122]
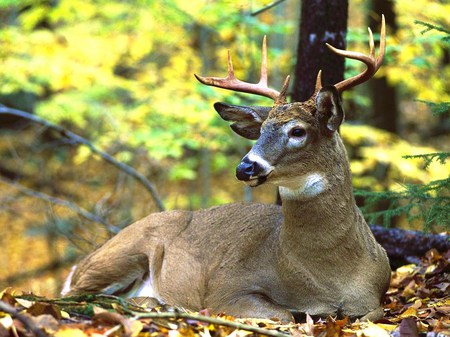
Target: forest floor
[416, 304]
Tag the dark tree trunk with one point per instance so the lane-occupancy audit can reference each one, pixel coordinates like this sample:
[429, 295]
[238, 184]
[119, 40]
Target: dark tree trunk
[384, 96]
[321, 21]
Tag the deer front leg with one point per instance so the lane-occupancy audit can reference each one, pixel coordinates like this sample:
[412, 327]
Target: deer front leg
[257, 306]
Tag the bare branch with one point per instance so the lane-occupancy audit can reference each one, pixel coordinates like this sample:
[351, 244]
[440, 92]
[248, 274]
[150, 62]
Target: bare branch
[81, 211]
[76, 139]
[266, 8]
[51, 266]
[212, 320]
[26, 321]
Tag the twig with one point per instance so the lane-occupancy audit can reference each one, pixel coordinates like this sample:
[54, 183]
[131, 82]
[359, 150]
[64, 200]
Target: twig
[130, 309]
[269, 6]
[76, 139]
[81, 211]
[29, 324]
[211, 320]
[431, 27]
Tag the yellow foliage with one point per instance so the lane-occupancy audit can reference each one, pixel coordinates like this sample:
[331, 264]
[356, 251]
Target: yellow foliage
[416, 63]
[380, 148]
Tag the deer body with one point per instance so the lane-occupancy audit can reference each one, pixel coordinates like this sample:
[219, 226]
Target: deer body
[314, 254]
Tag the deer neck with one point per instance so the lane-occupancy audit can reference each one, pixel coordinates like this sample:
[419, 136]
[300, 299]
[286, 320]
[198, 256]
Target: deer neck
[321, 208]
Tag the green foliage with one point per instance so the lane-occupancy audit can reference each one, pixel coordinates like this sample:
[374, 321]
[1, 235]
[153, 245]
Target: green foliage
[427, 204]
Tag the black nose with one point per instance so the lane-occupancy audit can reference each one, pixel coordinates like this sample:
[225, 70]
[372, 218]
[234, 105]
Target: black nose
[247, 169]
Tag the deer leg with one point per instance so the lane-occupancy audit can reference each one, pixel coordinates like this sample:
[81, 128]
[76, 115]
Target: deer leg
[258, 306]
[113, 275]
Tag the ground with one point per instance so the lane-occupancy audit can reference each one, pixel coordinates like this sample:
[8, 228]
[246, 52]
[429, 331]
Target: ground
[416, 304]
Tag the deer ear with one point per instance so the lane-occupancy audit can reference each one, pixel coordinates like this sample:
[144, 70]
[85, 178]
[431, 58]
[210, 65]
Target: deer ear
[247, 120]
[329, 108]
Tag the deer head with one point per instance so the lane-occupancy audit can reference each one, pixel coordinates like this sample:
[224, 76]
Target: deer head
[289, 135]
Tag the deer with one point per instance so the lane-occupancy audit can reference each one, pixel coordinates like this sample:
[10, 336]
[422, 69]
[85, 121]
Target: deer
[314, 254]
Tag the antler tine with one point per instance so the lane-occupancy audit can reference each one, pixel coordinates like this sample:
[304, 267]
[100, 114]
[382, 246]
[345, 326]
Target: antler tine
[372, 63]
[318, 85]
[232, 83]
[263, 78]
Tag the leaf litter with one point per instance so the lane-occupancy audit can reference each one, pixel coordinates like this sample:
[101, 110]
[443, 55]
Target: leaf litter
[416, 304]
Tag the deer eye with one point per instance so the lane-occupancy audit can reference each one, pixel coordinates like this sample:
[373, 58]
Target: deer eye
[297, 132]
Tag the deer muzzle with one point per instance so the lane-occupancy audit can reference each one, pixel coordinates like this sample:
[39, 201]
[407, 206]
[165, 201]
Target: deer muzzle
[251, 172]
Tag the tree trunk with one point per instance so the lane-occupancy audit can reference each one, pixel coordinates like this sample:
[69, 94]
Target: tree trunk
[321, 21]
[384, 96]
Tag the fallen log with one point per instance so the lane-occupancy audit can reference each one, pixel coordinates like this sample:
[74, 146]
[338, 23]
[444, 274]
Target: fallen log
[408, 246]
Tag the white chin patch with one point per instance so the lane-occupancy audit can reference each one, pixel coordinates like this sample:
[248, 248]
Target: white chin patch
[306, 186]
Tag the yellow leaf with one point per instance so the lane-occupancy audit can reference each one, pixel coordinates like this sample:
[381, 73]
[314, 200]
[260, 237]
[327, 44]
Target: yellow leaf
[387, 327]
[65, 314]
[6, 321]
[410, 312]
[407, 269]
[136, 327]
[374, 330]
[24, 303]
[70, 333]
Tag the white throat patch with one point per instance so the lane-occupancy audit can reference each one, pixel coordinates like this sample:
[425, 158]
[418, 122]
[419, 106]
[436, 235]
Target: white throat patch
[308, 186]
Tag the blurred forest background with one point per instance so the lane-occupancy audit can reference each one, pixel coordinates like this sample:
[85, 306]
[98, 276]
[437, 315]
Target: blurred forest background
[120, 75]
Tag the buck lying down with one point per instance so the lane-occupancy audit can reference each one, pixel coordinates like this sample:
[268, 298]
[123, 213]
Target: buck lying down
[314, 254]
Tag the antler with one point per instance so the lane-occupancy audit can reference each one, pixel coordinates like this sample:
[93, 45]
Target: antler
[232, 83]
[369, 60]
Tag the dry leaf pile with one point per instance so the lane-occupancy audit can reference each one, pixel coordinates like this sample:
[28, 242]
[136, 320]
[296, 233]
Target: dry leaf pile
[417, 304]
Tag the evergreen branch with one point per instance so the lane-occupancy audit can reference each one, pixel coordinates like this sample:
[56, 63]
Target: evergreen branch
[76, 139]
[441, 157]
[437, 108]
[54, 200]
[427, 202]
[429, 27]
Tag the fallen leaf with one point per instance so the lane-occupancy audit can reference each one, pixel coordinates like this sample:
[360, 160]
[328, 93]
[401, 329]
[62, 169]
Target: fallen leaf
[387, 327]
[3, 331]
[373, 330]
[42, 308]
[7, 322]
[408, 328]
[112, 318]
[24, 303]
[46, 322]
[68, 332]
[135, 328]
[410, 312]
